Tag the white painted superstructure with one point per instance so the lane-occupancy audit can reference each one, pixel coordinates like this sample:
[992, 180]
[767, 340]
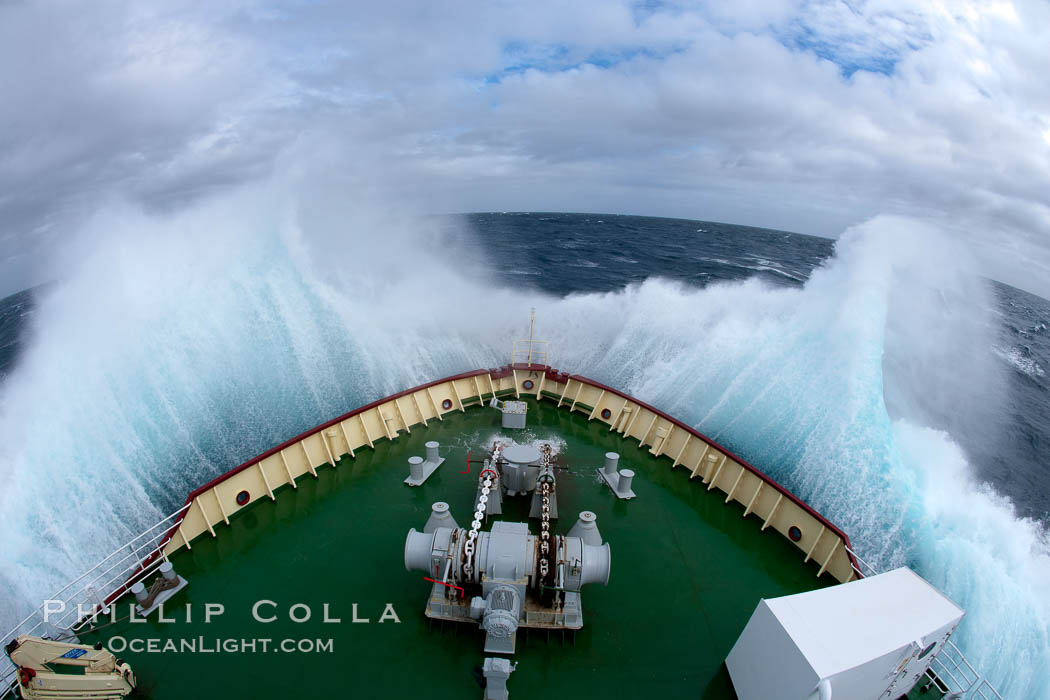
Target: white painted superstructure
[871, 638]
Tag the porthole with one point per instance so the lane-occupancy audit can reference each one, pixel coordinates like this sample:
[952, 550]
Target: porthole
[606, 414]
[794, 533]
[243, 497]
[926, 652]
[527, 384]
[446, 404]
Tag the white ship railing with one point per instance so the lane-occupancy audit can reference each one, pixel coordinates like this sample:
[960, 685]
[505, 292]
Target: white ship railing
[952, 670]
[530, 351]
[63, 613]
[956, 672]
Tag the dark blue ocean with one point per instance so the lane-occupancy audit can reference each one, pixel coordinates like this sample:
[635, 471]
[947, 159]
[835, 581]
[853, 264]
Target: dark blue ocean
[906, 401]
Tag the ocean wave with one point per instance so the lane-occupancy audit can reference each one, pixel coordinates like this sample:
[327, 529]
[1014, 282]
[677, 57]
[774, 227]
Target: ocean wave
[1020, 361]
[1033, 330]
[257, 327]
[763, 266]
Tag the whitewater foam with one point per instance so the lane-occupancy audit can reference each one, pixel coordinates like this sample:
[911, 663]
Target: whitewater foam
[177, 348]
[1016, 358]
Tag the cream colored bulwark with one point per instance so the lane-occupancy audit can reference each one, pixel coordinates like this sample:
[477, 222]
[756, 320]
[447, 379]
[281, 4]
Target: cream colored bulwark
[666, 439]
[390, 418]
[264, 478]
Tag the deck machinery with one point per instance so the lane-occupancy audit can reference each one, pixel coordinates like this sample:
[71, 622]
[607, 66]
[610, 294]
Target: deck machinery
[507, 577]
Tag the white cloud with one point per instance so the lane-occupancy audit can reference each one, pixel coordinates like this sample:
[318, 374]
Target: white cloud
[805, 115]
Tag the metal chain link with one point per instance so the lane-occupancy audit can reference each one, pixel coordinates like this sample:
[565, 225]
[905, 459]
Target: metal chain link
[545, 515]
[479, 514]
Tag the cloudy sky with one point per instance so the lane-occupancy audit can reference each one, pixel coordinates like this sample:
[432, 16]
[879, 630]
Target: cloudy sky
[806, 116]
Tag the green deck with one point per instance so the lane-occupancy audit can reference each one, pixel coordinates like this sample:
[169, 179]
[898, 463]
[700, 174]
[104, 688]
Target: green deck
[687, 572]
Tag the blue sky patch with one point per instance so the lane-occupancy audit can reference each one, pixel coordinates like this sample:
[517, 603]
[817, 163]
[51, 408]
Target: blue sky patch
[520, 57]
[848, 58]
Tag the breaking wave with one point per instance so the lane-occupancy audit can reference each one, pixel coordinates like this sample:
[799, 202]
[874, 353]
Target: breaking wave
[178, 346]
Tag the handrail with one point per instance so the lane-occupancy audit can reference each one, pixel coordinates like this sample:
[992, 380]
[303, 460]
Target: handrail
[953, 670]
[99, 590]
[138, 569]
[138, 562]
[967, 680]
[982, 687]
[873, 571]
[115, 552]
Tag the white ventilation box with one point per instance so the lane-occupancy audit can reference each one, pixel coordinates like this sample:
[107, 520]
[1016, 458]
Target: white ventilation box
[866, 640]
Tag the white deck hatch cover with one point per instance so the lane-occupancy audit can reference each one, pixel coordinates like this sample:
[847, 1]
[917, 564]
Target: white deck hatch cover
[864, 638]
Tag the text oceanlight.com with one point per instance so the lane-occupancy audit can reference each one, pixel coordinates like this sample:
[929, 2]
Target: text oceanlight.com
[202, 645]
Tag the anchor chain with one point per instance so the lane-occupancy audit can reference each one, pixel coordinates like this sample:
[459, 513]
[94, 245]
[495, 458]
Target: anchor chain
[475, 525]
[479, 514]
[546, 490]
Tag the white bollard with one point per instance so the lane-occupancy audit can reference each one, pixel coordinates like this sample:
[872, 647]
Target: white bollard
[139, 589]
[626, 476]
[612, 461]
[415, 467]
[432, 451]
